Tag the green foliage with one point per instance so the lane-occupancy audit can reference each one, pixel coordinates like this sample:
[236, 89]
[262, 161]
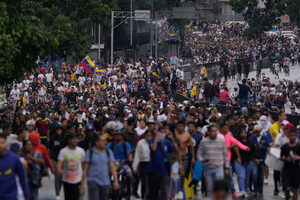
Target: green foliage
[23, 38]
[262, 19]
[31, 29]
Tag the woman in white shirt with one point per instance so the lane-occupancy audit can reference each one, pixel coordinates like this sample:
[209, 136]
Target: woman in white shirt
[142, 128]
[141, 160]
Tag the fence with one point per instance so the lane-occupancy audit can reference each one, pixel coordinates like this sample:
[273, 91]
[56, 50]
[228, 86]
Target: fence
[294, 119]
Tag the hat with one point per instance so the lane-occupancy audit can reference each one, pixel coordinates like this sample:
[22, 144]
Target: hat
[193, 107]
[298, 127]
[89, 127]
[30, 122]
[14, 147]
[118, 132]
[185, 102]
[289, 126]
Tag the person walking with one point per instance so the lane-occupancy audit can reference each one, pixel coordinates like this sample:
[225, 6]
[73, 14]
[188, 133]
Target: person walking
[57, 142]
[97, 166]
[213, 153]
[141, 160]
[261, 147]
[69, 166]
[10, 167]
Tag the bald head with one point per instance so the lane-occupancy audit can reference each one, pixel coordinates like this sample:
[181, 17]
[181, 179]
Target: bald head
[257, 127]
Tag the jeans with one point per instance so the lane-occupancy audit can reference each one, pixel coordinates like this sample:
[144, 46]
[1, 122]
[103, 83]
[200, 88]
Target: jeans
[143, 176]
[258, 176]
[215, 100]
[230, 180]
[175, 179]
[243, 171]
[243, 102]
[157, 184]
[207, 99]
[97, 192]
[211, 175]
[57, 178]
[71, 191]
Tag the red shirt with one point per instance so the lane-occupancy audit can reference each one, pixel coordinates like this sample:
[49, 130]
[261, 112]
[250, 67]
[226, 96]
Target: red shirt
[42, 126]
[223, 96]
[43, 70]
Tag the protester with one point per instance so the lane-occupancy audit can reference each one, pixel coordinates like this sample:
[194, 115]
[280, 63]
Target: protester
[98, 179]
[69, 166]
[9, 188]
[213, 153]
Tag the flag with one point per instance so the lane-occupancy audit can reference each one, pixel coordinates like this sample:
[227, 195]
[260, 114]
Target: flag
[101, 72]
[88, 65]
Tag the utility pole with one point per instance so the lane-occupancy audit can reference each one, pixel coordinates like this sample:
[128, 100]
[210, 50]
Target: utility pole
[99, 42]
[156, 35]
[151, 29]
[112, 39]
[130, 22]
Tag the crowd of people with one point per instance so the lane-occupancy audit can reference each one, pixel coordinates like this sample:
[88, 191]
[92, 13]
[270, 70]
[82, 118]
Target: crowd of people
[105, 133]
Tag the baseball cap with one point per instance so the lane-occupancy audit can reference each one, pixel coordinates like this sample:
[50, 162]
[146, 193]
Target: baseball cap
[30, 122]
[289, 126]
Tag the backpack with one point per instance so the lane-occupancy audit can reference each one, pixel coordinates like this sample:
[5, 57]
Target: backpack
[112, 146]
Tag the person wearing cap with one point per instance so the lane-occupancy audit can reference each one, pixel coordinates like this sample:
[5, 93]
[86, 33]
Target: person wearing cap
[293, 111]
[56, 143]
[98, 122]
[282, 137]
[69, 166]
[89, 140]
[122, 151]
[261, 147]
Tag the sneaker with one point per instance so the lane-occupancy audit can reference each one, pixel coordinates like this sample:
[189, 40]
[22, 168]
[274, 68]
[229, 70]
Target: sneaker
[236, 195]
[255, 194]
[245, 194]
[58, 198]
[179, 196]
[282, 196]
[276, 192]
[266, 182]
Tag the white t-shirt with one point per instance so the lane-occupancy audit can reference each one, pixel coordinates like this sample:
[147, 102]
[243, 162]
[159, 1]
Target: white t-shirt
[140, 131]
[72, 164]
[15, 94]
[41, 76]
[81, 80]
[49, 77]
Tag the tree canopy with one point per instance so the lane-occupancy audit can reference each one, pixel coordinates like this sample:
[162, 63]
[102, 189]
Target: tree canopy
[31, 29]
[262, 18]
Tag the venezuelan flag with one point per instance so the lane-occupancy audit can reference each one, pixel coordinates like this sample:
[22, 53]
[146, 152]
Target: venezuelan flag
[88, 65]
[101, 72]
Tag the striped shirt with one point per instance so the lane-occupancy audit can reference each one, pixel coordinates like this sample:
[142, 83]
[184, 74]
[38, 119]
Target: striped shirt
[214, 151]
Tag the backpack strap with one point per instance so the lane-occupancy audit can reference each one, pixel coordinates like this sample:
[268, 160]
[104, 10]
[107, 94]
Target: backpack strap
[124, 149]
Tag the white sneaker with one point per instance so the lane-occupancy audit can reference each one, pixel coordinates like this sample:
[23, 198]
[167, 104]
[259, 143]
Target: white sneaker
[266, 182]
[282, 196]
[179, 196]
[58, 198]
[245, 194]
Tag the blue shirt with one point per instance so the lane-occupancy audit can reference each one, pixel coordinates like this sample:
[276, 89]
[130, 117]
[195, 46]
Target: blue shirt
[10, 166]
[197, 137]
[157, 164]
[118, 150]
[99, 166]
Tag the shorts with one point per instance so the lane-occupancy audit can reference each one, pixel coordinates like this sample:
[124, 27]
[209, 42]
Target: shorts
[290, 178]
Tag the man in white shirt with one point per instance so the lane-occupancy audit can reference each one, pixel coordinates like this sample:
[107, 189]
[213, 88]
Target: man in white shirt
[49, 76]
[14, 93]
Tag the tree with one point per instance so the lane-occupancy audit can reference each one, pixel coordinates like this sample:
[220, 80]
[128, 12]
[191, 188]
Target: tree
[262, 19]
[23, 38]
[31, 29]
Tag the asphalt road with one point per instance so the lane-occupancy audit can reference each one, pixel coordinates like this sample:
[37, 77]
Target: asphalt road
[47, 191]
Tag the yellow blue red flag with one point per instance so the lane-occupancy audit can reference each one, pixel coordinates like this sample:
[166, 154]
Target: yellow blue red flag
[88, 65]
